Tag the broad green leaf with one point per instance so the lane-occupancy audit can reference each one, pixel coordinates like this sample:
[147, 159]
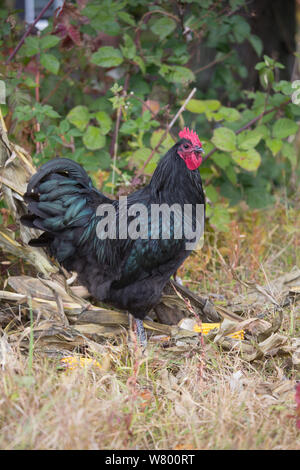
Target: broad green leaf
[263, 130]
[167, 143]
[201, 106]
[221, 159]
[140, 156]
[266, 77]
[50, 62]
[211, 193]
[32, 46]
[219, 218]
[241, 28]
[206, 173]
[106, 20]
[224, 139]
[91, 10]
[126, 17]
[256, 43]
[49, 41]
[258, 197]
[129, 127]
[107, 56]
[248, 139]
[150, 167]
[104, 159]
[104, 120]
[247, 159]
[284, 86]
[79, 116]
[139, 61]
[30, 82]
[284, 127]
[180, 74]
[274, 145]
[163, 27]
[231, 173]
[93, 139]
[228, 114]
[64, 126]
[75, 132]
[50, 112]
[288, 150]
[129, 49]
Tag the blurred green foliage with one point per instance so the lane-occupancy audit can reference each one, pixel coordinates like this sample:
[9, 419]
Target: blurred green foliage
[138, 60]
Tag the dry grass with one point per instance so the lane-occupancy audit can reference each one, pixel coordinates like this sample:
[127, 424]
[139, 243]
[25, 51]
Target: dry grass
[170, 399]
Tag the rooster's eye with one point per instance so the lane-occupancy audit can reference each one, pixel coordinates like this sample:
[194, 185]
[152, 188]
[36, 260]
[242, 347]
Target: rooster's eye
[185, 146]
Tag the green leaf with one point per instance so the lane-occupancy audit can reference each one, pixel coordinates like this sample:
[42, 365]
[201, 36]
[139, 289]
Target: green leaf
[284, 86]
[79, 116]
[107, 56]
[93, 139]
[139, 61]
[211, 193]
[248, 159]
[75, 132]
[166, 144]
[256, 43]
[104, 159]
[124, 16]
[288, 150]
[64, 126]
[129, 50]
[180, 74]
[231, 174]
[266, 77]
[129, 127]
[50, 62]
[221, 159]
[228, 114]
[140, 156]
[49, 41]
[219, 218]
[258, 197]
[263, 130]
[105, 121]
[106, 21]
[248, 139]
[91, 10]
[241, 28]
[50, 112]
[284, 127]
[32, 46]
[163, 27]
[274, 145]
[30, 82]
[224, 139]
[201, 106]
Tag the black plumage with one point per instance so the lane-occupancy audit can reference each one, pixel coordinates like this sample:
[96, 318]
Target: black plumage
[126, 273]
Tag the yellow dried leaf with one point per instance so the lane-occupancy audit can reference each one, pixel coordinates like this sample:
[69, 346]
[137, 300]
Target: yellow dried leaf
[72, 362]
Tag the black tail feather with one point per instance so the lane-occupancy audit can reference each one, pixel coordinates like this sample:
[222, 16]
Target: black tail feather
[59, 165]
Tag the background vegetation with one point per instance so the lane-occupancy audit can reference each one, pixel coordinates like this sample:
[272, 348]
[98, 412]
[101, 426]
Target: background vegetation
[101, 85]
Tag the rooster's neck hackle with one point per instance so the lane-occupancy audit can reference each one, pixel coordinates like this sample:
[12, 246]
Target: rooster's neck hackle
[173, 182]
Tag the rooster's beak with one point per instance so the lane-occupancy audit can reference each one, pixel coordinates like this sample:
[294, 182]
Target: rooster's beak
[199, 150]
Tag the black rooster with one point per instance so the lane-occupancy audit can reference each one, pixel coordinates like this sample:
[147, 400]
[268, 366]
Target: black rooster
[127, 272]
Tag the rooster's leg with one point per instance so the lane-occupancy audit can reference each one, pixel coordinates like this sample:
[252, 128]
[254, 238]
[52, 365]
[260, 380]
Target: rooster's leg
[141, 333]
[137, 328]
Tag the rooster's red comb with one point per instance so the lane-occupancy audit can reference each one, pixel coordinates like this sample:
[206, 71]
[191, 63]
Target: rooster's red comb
[190, 135]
